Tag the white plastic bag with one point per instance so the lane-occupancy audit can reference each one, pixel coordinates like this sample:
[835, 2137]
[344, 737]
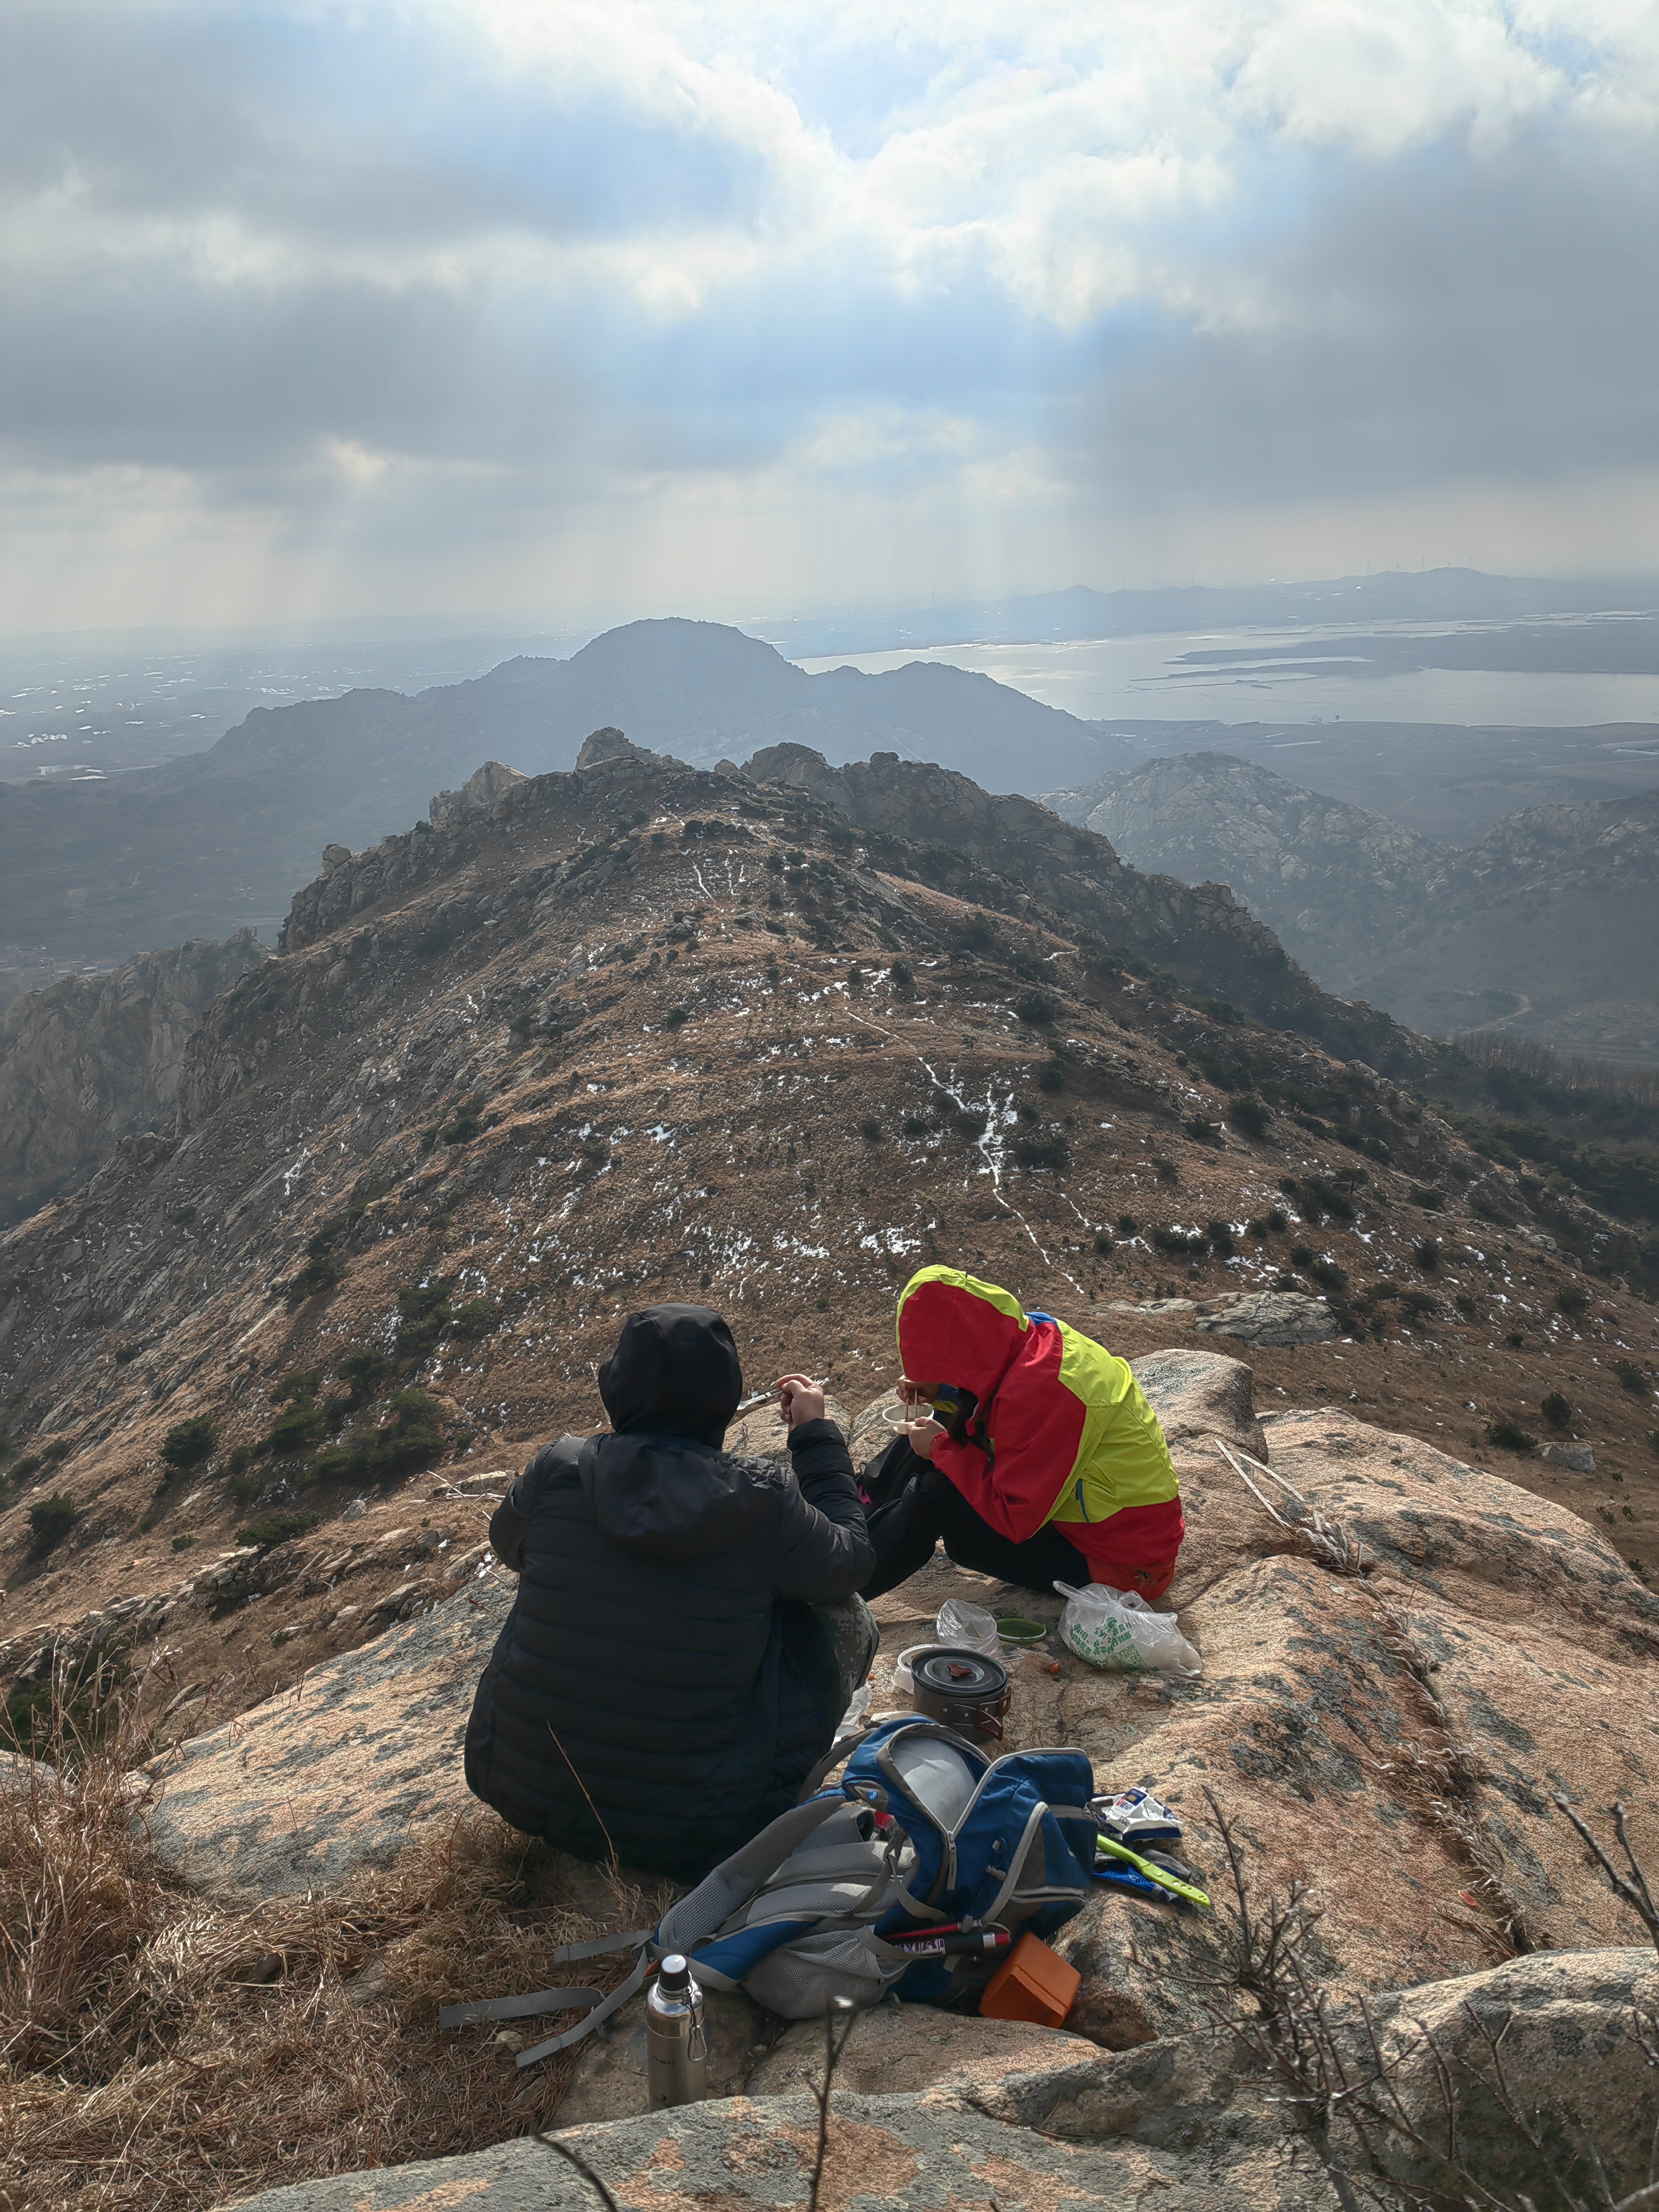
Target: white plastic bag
[1117, 1628]
[967, 1627]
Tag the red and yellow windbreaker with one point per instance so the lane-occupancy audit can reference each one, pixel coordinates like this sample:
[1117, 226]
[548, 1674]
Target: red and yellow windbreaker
[1072, 1438]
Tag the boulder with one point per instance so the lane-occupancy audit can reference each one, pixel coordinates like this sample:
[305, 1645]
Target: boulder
[882, 2152]
[898, 2047]
[608, 743]
[337, 1772]
[1578, 1459]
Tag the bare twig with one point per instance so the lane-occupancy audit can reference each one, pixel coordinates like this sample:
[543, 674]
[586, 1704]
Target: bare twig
[840, 2008]
[575, 2158]
[616, 1862]
[1632, 1889]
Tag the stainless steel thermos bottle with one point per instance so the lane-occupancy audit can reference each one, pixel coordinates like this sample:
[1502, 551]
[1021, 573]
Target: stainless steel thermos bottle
[677, 2049]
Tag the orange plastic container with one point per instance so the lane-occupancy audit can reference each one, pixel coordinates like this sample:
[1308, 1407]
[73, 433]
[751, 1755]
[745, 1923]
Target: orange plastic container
[1033, 1982]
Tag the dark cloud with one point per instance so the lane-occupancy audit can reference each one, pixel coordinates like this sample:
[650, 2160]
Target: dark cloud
[1436, 318]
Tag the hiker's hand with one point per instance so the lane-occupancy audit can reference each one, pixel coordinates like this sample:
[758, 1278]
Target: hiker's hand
[916, 1394]
[923, 1436]
[801, 1398]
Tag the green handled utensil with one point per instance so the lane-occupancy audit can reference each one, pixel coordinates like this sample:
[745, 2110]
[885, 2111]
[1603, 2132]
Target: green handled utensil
[1152, 1870]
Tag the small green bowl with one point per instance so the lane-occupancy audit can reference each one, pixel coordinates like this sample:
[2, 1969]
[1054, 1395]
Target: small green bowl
[1014, 1628]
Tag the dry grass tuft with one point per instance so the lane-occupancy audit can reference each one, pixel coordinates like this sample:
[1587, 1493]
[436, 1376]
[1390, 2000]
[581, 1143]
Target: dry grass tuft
[158, 2050]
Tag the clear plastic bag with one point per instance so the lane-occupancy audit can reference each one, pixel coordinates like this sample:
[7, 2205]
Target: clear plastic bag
[967, 1627]
[1117, 1628]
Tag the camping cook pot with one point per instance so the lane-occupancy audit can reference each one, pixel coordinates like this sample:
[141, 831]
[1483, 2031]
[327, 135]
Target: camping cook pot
[964, 1690]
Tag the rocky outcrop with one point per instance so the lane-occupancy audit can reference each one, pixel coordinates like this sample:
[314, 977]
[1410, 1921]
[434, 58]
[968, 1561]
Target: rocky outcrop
[481, 788]
[307, 1789]
[1271, 1318]
[91, 1059]
[1545, 2057]
[1390, 1739]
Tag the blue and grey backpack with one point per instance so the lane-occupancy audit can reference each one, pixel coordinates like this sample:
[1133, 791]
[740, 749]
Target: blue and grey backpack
[922, 1829]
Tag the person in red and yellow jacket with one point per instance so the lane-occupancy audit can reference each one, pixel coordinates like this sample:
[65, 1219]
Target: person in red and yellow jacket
[1036, 1456]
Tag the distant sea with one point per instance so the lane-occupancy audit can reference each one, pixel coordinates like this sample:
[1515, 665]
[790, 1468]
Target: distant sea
[1140, 678]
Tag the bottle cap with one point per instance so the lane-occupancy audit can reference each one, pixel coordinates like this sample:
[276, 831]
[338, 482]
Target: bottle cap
[674, 1973]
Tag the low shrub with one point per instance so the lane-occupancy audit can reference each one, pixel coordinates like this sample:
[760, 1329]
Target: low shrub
[410, 1438]
[1127, 1225]
[1426, 1253]
[1221, 1241]
[914, 1125]
[58, 1450]
[423, 1314]
[1102, 1241]
[1510, 1436]
[1327, 1271]
[1302, 1256]
[50, 1520]
[676, 1017]
[901, 976]
[187, 1443]
[1466, 1303]
[321, 1272]
[183, 1543]
[869, 1129]
[1051, 1078]
[1037, 1009]
[1040, 1151]
[276, 1528]
[363, 1372]
[1250, 1116]
[127, 1353]
[1421, 1305]
[1556, 1409]
[1571, 1301]
[1177, 1244]
[292, 1431]
[1167, 1170]
[1631, 1377]
[477, 1316]
[1319, 1198]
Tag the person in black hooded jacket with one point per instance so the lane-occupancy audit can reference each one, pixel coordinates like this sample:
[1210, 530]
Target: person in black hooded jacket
[687, 1630]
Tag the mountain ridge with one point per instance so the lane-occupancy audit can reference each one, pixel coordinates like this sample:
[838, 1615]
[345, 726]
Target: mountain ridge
[1531, 928]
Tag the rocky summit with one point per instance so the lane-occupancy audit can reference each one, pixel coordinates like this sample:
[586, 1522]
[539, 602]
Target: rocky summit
[770, 1038]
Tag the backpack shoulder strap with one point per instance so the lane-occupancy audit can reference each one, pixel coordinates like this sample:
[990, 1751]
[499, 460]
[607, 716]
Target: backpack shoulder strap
[843, 1747]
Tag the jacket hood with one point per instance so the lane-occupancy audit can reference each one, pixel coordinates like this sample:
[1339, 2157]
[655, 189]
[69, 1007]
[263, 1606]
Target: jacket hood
[676, 1498]
[954, 1328]
[675, 1372]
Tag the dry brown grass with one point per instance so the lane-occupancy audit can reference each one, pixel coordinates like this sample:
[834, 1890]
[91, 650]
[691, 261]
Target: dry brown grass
[158, 2050]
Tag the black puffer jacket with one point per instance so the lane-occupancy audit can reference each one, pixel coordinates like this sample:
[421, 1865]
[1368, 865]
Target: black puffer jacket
[661, 1658]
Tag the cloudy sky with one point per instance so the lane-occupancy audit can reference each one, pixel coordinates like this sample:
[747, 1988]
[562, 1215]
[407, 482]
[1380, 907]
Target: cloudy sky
[586, 307]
